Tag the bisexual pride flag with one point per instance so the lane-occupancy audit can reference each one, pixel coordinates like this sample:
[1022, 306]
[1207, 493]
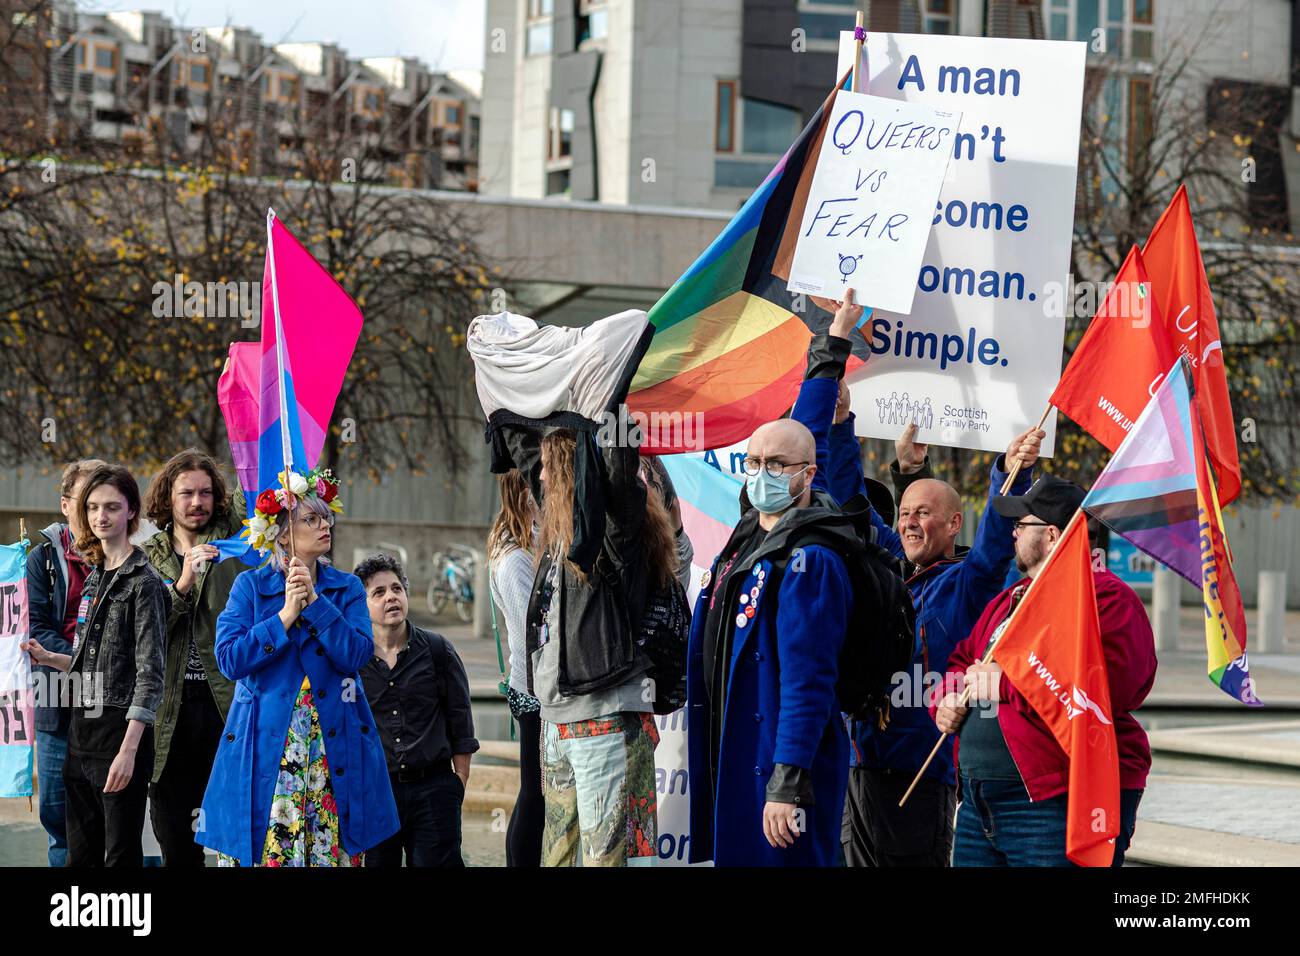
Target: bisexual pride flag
[1159, 494]
[730, 341]
[278, 395]
[16, 717]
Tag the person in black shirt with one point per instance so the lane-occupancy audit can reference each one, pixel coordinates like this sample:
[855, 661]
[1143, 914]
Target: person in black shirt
[118, 664]
[418, 691]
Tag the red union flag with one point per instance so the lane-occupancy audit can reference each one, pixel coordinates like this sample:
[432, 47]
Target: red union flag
[1173, 258]
[1051, 652]
[1120, 360]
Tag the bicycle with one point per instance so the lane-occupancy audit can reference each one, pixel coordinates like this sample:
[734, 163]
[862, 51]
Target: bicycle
[453, 582]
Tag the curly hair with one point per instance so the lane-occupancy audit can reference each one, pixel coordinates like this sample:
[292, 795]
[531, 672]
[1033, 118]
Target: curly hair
[158, 500]
[89, 546]
[377, 563]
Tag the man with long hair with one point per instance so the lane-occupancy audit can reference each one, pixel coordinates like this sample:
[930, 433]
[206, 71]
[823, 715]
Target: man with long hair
[189, 502]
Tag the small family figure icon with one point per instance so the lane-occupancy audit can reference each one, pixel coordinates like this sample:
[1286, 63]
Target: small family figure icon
[897, 410]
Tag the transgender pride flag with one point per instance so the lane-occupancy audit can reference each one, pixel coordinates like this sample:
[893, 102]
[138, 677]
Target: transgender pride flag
[278, 395]
[16, 723]
[1158, 493]
[710, 501]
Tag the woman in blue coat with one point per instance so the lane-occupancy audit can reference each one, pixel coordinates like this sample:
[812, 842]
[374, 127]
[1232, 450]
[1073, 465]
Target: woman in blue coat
[300, 777]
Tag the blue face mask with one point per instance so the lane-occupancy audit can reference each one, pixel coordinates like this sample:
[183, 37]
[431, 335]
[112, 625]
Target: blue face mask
[770, 495]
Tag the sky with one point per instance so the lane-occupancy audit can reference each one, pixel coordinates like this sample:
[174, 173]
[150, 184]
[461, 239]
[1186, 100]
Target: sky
[445, 34]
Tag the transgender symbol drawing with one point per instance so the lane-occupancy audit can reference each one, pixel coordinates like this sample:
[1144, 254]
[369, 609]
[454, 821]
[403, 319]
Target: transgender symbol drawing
[848, 265]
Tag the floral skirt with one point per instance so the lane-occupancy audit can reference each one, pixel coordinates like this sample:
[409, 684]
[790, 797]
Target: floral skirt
[304, 825]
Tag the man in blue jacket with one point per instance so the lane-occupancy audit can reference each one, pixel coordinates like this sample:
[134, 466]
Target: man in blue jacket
[950, 587]
[767, 750]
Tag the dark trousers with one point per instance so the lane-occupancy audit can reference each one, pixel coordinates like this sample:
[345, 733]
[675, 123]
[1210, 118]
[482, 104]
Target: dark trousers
[175, 799]
[51, 752]
[104, 829]
[524, 834]
[429, 811]
[877, 832]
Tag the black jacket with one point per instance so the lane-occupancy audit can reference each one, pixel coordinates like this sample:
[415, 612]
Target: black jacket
[130, 621]
[599, 613]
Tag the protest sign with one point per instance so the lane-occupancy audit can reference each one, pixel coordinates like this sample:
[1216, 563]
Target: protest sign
[868, 214]
[980, 351]
[16, 717]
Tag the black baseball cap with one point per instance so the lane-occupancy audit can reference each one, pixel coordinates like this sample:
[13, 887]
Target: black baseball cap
[1054, 500]
[882, 499]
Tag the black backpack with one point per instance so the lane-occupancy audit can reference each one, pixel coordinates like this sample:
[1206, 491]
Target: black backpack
[882, 630]
[663, 637]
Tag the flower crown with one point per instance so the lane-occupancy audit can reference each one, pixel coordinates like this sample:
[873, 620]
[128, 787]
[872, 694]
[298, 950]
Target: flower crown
[261, 530]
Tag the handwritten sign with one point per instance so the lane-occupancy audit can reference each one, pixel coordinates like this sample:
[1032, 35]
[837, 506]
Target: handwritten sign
[16, 716]
[976, 357]
[868, 214]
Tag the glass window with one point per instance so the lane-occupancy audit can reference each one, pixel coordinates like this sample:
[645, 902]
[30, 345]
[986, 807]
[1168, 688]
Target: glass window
[740, 173]
[104, 57]
[1139, 119]
[288, 87]
[724, 130]
[1115, 10]
[1142, 45]
[453, 114]
[724, 138]
[1142, 11]
[557, 183]
[766, 128]
[823, 26]
[198, 73]
[1086, 19]
[539, 38]
[939, 15]
[1060, 26]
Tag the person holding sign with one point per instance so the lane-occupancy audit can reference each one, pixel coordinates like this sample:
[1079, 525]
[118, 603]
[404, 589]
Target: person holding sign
[949, 587]
[767, 750]
[117, 663]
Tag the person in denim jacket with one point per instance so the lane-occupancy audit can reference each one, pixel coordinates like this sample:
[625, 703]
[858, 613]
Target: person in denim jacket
[116, 668]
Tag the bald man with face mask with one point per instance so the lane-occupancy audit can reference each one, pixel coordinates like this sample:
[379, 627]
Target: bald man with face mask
[768, 752]
[949, 587]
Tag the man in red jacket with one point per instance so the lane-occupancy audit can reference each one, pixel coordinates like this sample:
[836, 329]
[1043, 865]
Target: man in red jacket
[1013, 774]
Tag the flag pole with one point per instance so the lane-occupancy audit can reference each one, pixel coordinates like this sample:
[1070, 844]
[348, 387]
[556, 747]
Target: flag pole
[1015, 469]
[854, 85]
[988, 653]
[286, 444]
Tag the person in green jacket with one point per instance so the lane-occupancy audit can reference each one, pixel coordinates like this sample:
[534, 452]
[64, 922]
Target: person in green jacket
[189, 502]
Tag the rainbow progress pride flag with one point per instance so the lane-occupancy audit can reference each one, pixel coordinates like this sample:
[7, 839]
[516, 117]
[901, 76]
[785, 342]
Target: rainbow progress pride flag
[730, 341]
[1158, 493]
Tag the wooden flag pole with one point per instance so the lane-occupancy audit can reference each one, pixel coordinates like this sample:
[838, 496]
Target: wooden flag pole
[854, 84]
[988, 654]
[1015, 469]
